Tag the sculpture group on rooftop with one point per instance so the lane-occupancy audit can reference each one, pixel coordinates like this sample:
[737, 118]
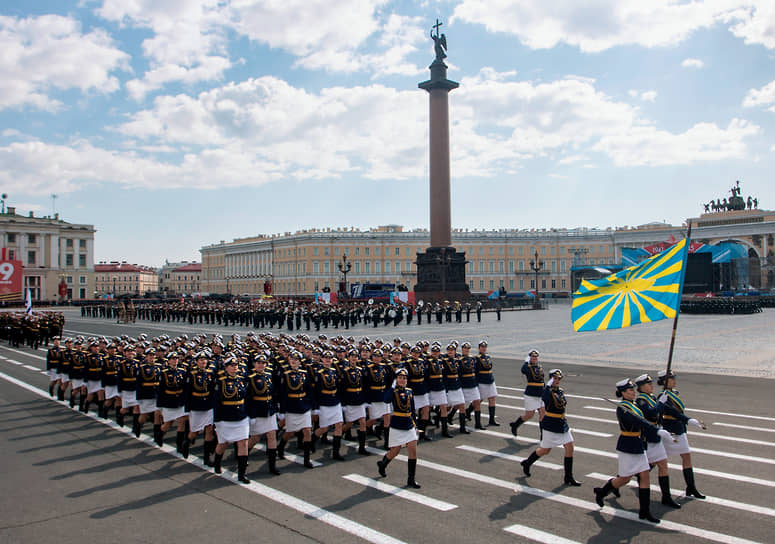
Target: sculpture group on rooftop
[735, 202]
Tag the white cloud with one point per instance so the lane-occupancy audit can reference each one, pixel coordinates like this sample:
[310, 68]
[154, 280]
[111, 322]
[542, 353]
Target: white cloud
[761, 97]
[692, 63]
[602, 24]
[42, 54]
[648, 96]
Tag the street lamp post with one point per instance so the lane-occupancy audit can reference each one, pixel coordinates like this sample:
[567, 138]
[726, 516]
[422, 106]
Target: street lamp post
[344, 268]
[536, 265]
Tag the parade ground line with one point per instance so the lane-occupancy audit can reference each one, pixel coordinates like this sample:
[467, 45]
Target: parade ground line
[708, 499]
[508, 457]
[571, 501]
[400, 492]
[538, 536]
[301, 506]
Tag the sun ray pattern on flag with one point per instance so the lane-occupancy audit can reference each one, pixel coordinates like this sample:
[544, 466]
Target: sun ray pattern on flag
[647, 292]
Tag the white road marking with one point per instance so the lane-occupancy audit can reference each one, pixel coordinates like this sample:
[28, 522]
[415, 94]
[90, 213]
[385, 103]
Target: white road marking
[298, 459]
[538, 536]
[399, 492]
[499, 455]
[30, 367]
[315, 512]
[570, 416]
[695, 410]
[710, 500]
[746, 427]
[26, 353]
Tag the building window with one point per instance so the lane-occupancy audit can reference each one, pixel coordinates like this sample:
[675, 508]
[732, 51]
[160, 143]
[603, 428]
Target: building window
[520, 264]
[511, 266]
[532, 284]
[315, 267]
[336, 251]
[31, 238]
[366, 251]
[367, 265]
[492, 284]
[326, 267]
[325, 251]
[11, 237]
[31, 258]
[387, 267]
[347, 251]
[563, 265]
[471, 266]
[82, 261]
[491, 266]
[357, 251]
[554, 250]
[511, 285]
[554, 266]
[481, 267]
[492, 251]
[68, 279]
[357, 267]
[69, 243]
[11, 254]
[69, 259]
[543, 284]
[82, 293]
[82, 280]
[511, 250]
[82, 244]
[471, 285]
[481, 284]
[554, 284]
[314, 250]
[376, 251]
[481, 251]
[562, 282]
[500, 266]
[408, 250]
[521, 284]
[398, 251]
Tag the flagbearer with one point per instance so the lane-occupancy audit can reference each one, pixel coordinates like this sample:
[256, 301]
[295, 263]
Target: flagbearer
[631, 452]
[655, 450]
[675, 421]
[534, 374]
[554, 428]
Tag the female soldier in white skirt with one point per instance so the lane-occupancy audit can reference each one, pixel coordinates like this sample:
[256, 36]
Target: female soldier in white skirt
[110, 364]
[655, 450]
[327, 381]
[534, 374]
[378, 378]
[469, 385]
[455, 398]
[353, 399]
[65, 360]
[147, 380]
[170, 401]
[127, 386]
[554, 427]
[200, 398]
[486, 382]
[52, 367]
[675, 421]
[261, 402]
[93, 374]
[418, 383]
[436, 391]
[295, 399]
[402, 427]
[231, 418]
[630, 450]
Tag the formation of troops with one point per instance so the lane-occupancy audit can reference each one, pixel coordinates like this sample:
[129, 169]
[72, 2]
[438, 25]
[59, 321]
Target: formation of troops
[298, 315]
[277, 387]
[32, 330]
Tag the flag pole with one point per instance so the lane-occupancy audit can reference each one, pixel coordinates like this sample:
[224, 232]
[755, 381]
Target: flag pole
[680, 294]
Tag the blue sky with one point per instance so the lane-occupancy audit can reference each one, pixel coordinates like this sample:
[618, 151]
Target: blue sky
[170, 125]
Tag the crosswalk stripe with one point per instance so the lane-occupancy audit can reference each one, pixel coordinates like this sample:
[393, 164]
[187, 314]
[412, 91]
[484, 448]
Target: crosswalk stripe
[745, 427]
[538, 536]
[399, 492]
[710, 500]
[500, 455]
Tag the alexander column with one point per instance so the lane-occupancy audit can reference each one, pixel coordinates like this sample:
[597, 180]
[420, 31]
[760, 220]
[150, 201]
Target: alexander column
[441, 270]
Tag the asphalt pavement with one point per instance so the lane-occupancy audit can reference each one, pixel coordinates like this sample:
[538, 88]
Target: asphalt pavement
[68, 476]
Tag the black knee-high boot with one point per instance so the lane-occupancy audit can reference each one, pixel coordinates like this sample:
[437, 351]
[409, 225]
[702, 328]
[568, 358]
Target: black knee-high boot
[410, 481]
[664, 485]
[217, 463]
[335, 455]
[478, 419]
[424, 428]
[101, 412]
[527, 463]
[462, 420]
[515, 425]
[492, 422]
[386, 434]
[307, 448]
[644, 498]
[158, 435]
[362, 443]
[242, 467]
[382, 465]
[119, 417]
[444, 428]
[281, 449]
[209, 449]
[569, 480]
[691, 489]
[451, 415]
[602, 492]
[61, 394]
[136, 424]
[179, 436]
[271, 457]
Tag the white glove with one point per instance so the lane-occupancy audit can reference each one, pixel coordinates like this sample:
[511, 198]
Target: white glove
[694, 423]
[665, 435]
[663, 399]
[281, 417]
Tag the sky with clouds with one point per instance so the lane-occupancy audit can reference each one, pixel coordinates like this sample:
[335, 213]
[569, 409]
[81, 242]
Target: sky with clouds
[173, 124]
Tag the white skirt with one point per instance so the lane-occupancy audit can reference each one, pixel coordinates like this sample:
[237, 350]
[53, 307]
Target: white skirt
[421, 401]
[147, 406]
[199, 419]
[379, 409]
[632, 463]
[354, 413]
[533, 403]
[111, 391]
[128, 399]
[400, 437]
[677, 448]
[232, 431]
[470, 395]
[53, 375]
[171, 414]
[455, 397]
[262, 425]
[297, 422]
[330, 415]
[92, 386]
[437, 398]
[655, 452]
[551, 439]
[76, 383]
[487, 390]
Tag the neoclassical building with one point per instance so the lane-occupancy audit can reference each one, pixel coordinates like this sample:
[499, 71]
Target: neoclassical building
[307, 261]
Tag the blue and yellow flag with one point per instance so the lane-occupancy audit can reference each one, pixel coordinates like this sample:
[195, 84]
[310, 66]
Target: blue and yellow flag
[647, 292]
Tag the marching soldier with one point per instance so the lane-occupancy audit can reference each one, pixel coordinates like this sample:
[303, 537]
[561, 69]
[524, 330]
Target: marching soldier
[534, 374]
[455, 398]
[554, 428]
[170, 401]
[53, 357]
[261, 401]
[147, 383]
[295, 396]
[127, 386]
[402, 428]
[327, 383]
[353, 399]
[200, 401]
[378, 378]
[231, 418]
[485, 381]
[469, 385]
